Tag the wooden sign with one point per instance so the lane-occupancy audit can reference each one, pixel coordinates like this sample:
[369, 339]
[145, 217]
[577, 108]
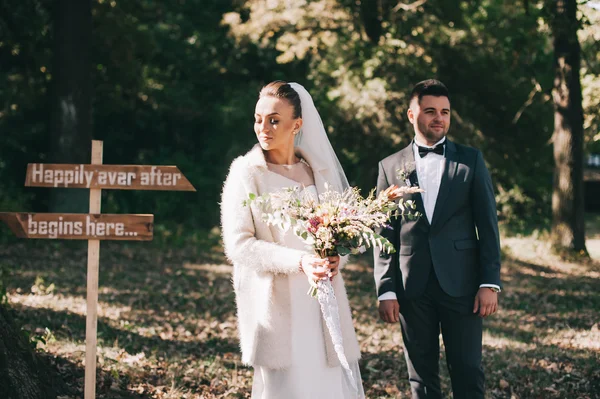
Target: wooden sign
[94, 226]
[121, 177]
[77, 226]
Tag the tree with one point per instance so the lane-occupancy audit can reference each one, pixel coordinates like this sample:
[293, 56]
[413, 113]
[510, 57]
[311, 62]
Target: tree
[72, 96]
[568, 228]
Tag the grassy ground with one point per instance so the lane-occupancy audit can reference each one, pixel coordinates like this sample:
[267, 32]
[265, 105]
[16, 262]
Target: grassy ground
[166, 325]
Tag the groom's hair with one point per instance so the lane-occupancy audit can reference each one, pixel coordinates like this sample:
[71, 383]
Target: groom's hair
[429, 87]
[281, 89]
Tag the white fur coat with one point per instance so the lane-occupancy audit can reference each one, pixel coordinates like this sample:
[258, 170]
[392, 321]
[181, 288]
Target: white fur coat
[261, 267]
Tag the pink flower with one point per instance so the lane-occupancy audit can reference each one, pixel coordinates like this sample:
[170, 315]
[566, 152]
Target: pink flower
[314, 223]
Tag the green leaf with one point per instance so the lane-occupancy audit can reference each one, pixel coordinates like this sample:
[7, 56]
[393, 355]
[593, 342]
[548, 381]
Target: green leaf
[342, 250]
[383, 244]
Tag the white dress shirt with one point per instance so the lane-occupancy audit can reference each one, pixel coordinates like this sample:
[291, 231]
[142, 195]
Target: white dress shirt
[429, 173]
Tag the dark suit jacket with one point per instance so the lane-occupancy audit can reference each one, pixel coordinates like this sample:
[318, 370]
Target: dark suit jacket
[462, 242]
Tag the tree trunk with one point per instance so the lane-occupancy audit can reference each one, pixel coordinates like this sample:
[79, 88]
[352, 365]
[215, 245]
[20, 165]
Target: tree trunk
[22, 374]
[371, 16]
[72, 96]
[568, 229]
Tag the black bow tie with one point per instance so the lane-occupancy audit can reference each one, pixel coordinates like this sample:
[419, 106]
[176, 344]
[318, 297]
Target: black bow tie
[438, 149]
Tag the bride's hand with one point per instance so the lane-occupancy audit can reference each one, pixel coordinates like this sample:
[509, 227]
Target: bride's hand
[333, 265]
[316, 268]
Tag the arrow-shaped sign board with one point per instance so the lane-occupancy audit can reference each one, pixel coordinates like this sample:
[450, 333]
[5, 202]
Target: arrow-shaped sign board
[121, 177]
[80, 226]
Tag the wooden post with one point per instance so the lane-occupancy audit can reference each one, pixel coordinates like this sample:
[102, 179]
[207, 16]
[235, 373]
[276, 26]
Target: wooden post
[91, 321]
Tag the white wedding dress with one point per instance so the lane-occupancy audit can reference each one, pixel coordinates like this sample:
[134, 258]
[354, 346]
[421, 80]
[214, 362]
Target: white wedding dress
[309, 376]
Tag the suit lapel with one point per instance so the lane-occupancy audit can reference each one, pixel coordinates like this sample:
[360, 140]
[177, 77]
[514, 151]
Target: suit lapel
[448, 173]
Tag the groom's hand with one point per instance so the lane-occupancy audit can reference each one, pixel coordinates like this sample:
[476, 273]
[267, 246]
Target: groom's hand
[486, 302]
[389, 310]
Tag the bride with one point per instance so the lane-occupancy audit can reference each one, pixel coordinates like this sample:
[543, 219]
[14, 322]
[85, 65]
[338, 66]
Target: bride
[282, 331]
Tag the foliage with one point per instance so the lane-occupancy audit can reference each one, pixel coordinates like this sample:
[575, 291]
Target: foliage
[176, 83]
[170, 88]
[496, 58]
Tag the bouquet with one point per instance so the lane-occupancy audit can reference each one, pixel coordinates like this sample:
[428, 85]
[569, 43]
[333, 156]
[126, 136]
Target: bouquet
[336, 223]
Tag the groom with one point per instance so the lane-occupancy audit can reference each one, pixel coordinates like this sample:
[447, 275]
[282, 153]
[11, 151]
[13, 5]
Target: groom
[446, 271]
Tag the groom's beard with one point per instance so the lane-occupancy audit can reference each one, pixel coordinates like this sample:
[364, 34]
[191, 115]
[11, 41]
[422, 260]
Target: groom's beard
[433, 135]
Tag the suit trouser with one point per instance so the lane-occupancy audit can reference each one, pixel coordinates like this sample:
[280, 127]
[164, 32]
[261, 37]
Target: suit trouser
[421, 320]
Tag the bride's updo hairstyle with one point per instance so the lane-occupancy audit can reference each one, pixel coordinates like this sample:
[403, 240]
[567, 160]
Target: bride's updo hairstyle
[281, 89]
